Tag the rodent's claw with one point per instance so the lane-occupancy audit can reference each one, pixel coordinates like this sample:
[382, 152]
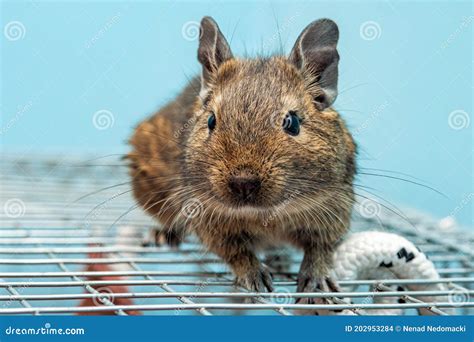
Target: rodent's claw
[333, 285]
[267, 278]
[316, 284]
[260, 280]
[307, 283]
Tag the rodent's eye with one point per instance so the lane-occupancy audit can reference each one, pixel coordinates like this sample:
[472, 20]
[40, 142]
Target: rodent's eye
[291, 123]
[211, 121]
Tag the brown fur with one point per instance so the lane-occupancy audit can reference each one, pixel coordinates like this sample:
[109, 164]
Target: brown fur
[306, 196]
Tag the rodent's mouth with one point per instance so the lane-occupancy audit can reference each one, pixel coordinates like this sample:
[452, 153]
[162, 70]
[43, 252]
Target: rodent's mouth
[246, 209]
[250, 207]
[245, 206]
[236, 204]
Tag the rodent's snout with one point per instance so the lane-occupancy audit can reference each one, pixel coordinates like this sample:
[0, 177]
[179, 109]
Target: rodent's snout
[244, 187]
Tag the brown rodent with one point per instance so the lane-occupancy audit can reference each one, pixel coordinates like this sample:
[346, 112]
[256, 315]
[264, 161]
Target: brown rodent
[255, 144]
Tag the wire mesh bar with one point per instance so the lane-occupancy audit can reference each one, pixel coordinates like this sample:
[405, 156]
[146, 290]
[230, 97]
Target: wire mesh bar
[230, 283]
[164, 307]
[386, 293]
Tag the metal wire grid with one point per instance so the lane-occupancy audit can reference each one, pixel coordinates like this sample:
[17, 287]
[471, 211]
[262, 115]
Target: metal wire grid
[97, 254]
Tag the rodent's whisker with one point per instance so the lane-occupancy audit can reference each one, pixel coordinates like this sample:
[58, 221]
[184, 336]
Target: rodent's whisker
[313, 214]
[395, 178]
[167, 137]
[105, 156]
[399, 214]
[106, 201]
[129, 210]
[328, 211]
[383, 199]
[339, 109]
[155, 178]
[405, 180]
[150, 158]
[394, 172]
[98, 191]
[353, 87]
[97, 165]
[113, 197]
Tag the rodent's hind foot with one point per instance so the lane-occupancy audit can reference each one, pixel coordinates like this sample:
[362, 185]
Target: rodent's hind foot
[259, 280]
[316, 284]
[166, 237]
[170, 237]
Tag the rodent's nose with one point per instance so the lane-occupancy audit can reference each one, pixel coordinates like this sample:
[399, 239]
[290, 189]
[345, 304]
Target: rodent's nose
[245, 187]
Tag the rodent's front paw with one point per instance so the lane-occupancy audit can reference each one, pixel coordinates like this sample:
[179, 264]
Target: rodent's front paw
[316, 284]
[259, 280]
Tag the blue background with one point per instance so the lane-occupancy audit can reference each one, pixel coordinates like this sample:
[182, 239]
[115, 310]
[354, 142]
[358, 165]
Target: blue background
[396, 91]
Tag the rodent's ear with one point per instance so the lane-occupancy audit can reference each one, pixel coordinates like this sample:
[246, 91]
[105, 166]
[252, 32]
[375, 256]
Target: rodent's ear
[315, 54]
[213, 50]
